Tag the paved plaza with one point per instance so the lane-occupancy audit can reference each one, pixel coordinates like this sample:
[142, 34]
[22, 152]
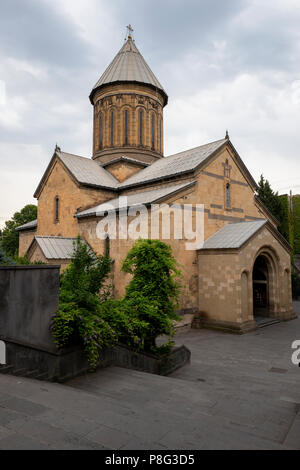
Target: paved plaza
[239, 392]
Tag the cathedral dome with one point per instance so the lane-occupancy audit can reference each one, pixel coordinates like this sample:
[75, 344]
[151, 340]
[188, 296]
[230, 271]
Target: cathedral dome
[129, 66]
[128, 103]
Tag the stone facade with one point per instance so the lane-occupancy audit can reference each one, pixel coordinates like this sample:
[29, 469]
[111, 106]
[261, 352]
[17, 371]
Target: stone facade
[226, 288]
[125, 142]
[25, 239]
[128, 120]
[72, 196]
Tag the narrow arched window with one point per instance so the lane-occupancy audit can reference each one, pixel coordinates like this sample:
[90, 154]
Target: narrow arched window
[126, 126]
[141, 127]
[56, 209]
[107, 246]
[152, 131]
[227, 195]
[101, 130]
[160, 135]
[112, 129]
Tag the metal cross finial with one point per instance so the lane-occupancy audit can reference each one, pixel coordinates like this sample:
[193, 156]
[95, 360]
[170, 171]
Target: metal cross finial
[57, 148]
[227, 135]
[129, 31]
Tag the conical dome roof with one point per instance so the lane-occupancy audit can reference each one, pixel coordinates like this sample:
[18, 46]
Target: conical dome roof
[129, 66]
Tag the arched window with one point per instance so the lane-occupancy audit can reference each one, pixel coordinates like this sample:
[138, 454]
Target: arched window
[101, 130]
[141, 127]
[126, 126]
[152, 131]
[112, 129]
[56, 209]
[107, 246]
[227, 195]
[160, 135]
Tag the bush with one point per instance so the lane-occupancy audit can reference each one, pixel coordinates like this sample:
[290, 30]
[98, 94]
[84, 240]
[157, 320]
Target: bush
[86, 313]
[152, 294]
[82, 289]
[10, 236]
[5, 260]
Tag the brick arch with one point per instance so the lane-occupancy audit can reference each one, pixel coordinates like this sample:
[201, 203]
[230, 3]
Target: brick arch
[129, 108]
[272, 260]
[107, 129]
[139, 108]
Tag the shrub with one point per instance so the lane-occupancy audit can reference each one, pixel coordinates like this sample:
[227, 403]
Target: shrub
[152, 294]
[82, 289]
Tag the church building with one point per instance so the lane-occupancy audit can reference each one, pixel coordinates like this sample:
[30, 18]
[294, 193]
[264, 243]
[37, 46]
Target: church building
[240, 274]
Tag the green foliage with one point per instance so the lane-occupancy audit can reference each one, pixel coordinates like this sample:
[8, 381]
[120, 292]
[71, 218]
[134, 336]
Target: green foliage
[87, 315]
[276, 205]
[4, 260]
[296, 220]
[82, 291]
[286, 225]
[10, 237]
[24, 260]
[152, 294]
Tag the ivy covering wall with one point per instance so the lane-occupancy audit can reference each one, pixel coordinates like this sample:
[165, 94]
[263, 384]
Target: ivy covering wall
[296, 223]
[286, 219]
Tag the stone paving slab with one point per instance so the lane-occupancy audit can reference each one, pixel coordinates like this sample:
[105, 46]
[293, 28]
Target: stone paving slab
[239, 392]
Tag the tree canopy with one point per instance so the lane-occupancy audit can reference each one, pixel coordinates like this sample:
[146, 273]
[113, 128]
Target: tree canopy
[10, 236]
[275, 204]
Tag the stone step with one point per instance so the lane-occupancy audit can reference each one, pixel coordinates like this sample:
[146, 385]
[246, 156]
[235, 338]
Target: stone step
[19, 372]
[32, 373]
[42, 376]
[6, 368]
[267, 322]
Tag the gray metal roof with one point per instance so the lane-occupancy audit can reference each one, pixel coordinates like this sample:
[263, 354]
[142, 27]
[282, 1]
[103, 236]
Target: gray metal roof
[174, 164]
[87, 171]
[145, 197]
[129, 66]
[124, 158]
[233, 235]
[56, 247]
[29, 226]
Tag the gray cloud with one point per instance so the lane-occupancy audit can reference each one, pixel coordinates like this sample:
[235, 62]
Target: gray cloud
[33, 31]
[224, 64]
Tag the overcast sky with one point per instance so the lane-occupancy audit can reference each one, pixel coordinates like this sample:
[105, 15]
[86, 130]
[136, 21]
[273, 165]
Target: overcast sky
[231, 64]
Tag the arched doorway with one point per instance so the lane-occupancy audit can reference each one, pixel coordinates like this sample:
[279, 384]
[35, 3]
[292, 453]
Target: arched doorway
[261, 287]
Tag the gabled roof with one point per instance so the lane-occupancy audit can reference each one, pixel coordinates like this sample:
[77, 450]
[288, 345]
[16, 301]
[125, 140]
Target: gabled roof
[233, 235]
[176, 164]
[55, 247]
[84, 170]
[136, 199]
[29, 226]
[129, 66]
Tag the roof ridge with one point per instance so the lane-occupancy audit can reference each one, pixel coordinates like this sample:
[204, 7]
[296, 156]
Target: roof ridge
[195, 148]
[55, 236]
[73, 155]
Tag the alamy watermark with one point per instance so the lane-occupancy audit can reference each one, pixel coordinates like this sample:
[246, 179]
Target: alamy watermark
[156, 221]
[296, 354]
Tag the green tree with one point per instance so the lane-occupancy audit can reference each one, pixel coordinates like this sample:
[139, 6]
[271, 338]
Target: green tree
[275, 205]
[4, 260]
[152, 294]
[79, 314]
[10, 236]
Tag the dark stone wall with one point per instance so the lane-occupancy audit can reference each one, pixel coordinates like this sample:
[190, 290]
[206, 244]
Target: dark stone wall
[28, 299]
[71, 362]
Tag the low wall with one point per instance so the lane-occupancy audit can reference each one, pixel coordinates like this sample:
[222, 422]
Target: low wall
[28, 299]
[71, 362]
